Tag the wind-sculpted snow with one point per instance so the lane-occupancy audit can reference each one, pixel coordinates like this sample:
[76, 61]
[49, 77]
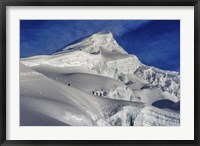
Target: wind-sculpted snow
[96, 83]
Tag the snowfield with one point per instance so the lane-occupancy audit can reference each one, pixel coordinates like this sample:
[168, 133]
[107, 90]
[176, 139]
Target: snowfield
[95, 82]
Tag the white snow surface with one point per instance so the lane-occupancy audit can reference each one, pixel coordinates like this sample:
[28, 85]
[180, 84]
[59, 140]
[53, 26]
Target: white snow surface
[95, 82]
[95, 44]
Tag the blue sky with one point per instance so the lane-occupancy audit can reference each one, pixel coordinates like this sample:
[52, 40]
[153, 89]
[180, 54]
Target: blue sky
[154, 42]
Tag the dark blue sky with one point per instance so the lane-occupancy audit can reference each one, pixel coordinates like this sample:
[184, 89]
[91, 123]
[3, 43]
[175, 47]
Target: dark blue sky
[155, 43]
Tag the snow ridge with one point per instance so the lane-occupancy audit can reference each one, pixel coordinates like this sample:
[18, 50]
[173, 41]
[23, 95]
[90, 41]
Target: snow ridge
[95, 44]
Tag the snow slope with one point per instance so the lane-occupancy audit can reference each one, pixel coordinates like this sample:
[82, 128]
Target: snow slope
[95, 82]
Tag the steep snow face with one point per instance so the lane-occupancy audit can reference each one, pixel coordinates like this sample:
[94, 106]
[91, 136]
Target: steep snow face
[95, 82]
[71, 59]
[117, 68]
[96, 44]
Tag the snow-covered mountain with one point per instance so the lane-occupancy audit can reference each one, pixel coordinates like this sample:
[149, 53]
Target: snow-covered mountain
[96, 82]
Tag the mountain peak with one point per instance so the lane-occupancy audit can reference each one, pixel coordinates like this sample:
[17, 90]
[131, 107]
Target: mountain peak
[96, 43]
[106, 33]
[97, 38]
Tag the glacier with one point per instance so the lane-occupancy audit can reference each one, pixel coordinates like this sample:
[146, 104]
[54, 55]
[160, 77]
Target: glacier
[95, 82]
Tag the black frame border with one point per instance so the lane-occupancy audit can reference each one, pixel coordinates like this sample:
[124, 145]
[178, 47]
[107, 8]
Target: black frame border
[5, 3]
